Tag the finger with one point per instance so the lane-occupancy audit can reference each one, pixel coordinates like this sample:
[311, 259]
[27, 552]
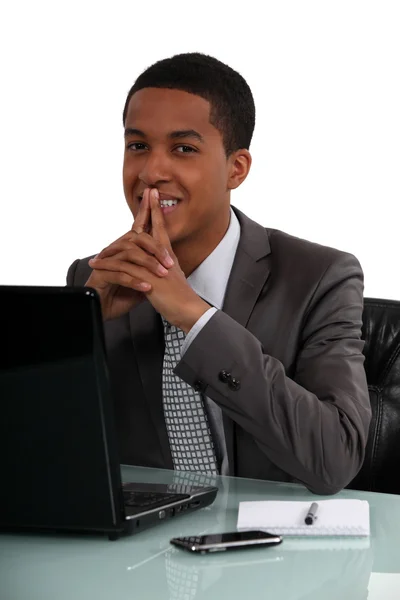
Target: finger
[143, 245]
[122, 279]
[142, 220]
[130, 272]
[121, 239]
[134, 256]
[109, 250]
[158, 229]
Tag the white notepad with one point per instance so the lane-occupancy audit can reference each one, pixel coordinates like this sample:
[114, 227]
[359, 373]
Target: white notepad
[335, 517]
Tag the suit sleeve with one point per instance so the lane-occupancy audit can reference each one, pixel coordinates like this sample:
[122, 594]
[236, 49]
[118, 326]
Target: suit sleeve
[72, 272]
[315, 425]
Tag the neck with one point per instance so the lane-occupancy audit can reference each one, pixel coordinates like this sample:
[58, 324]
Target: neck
[192, 252]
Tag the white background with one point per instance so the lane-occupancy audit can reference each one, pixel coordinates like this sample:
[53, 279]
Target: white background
[326, 148]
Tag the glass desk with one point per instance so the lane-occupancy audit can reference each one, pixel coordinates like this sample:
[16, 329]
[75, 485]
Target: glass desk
[145, 566]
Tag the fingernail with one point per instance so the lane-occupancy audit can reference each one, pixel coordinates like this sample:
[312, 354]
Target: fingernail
[168, 261]
[156, 195]
[161, 270]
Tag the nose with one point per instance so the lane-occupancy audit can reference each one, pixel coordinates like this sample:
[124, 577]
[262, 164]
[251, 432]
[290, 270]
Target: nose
[155, 169]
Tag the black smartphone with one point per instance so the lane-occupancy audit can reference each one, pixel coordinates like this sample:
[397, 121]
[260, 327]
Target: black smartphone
[219, 542]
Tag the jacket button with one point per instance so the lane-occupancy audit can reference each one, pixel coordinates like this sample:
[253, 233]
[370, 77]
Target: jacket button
[198, 386]
[224, 376]
[234, 384]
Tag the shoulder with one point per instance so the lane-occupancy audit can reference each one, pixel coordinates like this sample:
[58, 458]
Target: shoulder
[288, 252]
[79, 271]
[313, 271]
[297, 252]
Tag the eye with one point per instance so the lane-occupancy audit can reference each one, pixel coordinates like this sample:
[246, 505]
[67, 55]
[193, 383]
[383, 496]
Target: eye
[130, 146]
[188, 147]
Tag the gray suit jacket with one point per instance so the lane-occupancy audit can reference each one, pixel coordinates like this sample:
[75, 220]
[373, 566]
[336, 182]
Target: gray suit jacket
[290, 333]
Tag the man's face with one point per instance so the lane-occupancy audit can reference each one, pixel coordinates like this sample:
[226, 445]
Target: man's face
[195, 171]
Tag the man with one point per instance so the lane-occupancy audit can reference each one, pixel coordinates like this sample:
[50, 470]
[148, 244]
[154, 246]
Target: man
[232, 348]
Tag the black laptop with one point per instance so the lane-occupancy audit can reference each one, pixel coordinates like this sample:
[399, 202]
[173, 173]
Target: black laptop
[59, 461]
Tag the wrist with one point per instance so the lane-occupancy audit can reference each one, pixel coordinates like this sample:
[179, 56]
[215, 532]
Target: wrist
[192, 314]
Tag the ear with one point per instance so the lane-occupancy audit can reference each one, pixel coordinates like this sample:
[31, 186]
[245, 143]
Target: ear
[239, 167]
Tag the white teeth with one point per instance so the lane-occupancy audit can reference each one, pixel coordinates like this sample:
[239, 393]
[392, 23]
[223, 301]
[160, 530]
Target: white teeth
[168, 202]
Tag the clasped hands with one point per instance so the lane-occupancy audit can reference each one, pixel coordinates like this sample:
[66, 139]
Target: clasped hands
[142, 265]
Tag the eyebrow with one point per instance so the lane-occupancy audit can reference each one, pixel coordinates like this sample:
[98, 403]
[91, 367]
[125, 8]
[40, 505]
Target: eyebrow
[173, 135]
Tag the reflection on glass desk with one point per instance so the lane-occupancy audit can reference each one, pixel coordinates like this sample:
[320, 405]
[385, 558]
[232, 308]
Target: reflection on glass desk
[146, 566]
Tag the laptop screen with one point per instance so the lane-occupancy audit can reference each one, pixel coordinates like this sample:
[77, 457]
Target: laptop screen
[58, 449]
[44, 325]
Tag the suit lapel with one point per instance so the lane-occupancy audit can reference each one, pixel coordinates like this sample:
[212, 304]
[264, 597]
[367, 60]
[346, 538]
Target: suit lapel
[148, 342]
[249, 274]
[250, 270]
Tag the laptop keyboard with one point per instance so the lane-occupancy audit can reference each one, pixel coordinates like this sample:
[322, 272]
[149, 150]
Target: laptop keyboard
[149, 500]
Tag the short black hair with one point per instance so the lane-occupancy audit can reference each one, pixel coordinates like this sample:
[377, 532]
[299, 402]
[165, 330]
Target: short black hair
[232, 105]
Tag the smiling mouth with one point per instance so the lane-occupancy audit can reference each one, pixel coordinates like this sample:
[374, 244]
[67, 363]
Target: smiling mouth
[162, 200]
[167, 206]
[165, 203]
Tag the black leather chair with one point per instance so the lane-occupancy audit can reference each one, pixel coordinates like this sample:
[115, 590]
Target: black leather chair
[381, 332]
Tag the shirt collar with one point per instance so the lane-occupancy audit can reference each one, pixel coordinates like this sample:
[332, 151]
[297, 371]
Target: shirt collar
[210, 279]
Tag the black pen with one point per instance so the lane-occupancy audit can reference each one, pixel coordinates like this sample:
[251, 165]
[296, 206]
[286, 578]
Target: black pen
[311, 515]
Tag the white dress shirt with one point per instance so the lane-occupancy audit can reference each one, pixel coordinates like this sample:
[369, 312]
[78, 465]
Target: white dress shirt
[210, 279]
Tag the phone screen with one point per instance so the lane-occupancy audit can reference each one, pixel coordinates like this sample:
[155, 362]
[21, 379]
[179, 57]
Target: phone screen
[223, 541]
[235, 536]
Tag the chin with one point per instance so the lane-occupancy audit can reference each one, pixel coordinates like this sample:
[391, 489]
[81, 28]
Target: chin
[175, 237]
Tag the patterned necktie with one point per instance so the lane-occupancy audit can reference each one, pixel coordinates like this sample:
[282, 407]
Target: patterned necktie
[189, 433]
